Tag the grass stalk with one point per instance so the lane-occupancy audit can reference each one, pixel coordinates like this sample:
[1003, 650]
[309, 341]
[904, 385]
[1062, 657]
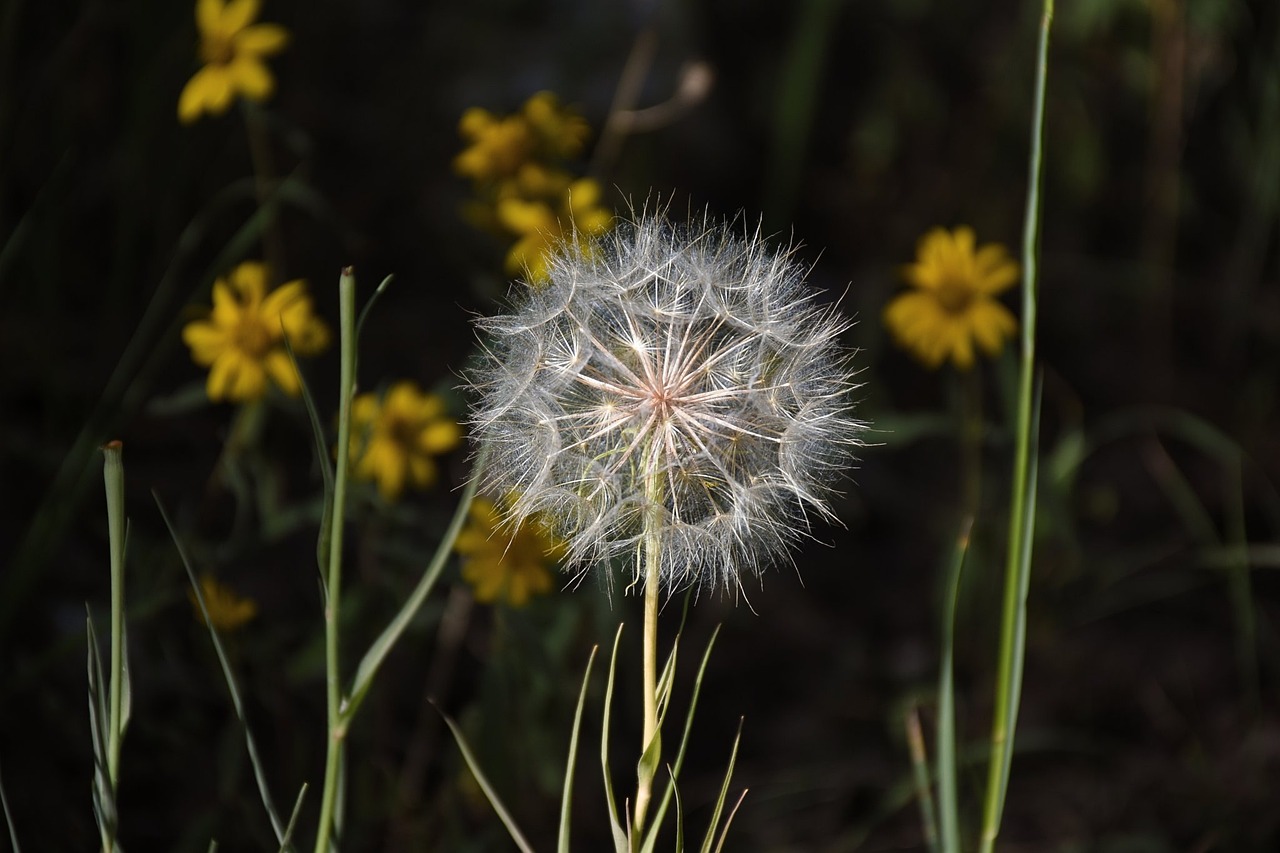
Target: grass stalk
[113, 476]
[1017, 569]
[920, 776]
[948, 773]
[333, 577]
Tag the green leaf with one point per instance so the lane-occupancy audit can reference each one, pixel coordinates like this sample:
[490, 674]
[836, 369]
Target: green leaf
[8, 821]
[948, 798]
[390, 635]
[489, 793]
[724, 792]
[368, 305]
[259, 772]
[652, 838]
[621, 843]
[566, 800]
[322, 460]
[293, 819]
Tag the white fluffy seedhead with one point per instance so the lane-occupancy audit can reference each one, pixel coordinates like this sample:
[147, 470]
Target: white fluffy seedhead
[682, 374]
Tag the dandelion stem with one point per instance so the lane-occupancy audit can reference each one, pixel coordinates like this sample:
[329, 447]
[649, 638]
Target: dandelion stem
[650, 745]
[337, 727]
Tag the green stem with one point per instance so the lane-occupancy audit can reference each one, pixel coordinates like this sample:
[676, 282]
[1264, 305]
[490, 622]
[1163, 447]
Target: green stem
[1012, 624]
[652, 586]
[337, 727]
[113, 474]
[971, 443]
[264, 175]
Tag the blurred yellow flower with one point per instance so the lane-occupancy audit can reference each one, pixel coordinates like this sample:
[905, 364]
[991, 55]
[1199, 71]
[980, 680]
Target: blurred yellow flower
[498, 148]
[227, 611]
[242, 341]
[560, 132]
[501, 566]
[539, 228]
[953, 303]
[394, 436]
[233, 48]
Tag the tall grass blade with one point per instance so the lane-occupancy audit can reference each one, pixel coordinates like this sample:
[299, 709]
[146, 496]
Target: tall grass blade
[948, 797]
[483, 782]
[259, 772]
[1012, 651]
[567, 799]
[620, 842]
[293, 819]
[728, 822]
[322, 460]
[104, 800]
[113, 480]
[921, 776]
[390, 635]
[1022, 512]
[709, 840]
[651, 840]
[1241, 586]
[8, 820]
[368, 305]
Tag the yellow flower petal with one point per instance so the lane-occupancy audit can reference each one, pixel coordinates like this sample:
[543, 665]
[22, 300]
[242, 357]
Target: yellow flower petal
[238, 14]
[208, 15]
[250, 77]
[440, 436]
[192, 101]
[206, 341]
[282, 372]
[262, 39]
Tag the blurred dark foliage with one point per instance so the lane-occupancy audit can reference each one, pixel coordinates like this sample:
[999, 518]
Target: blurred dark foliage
[853, 127]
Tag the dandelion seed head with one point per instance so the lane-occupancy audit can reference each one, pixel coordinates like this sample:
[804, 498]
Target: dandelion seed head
[678, 374]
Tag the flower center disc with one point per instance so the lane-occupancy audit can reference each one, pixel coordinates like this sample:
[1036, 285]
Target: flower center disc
[954, 295]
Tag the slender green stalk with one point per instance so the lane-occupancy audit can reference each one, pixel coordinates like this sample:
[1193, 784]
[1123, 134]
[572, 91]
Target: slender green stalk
[971, 429]
[113, 475]
[1012, 624]
[652, 583]
[920, 775]
[264, 176]
[333, 586]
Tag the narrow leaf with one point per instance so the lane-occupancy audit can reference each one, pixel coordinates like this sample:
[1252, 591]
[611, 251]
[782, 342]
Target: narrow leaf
[386, 641]
[322, 460]
[620, 842]
[492, 795]
[709, 840]
[652, 838]
[566, 800]
[948, 798]
[293, 819]
[8, 821]
[259, 773]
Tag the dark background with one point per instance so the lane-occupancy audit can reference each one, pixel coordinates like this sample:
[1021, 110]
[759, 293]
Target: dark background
[1149, 719]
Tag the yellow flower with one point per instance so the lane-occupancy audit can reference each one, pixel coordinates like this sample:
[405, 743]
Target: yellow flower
[394, 437]
[501, 566]
[233, 49]
[242, 342]
[498, 148]
[227, 610]
[953, 304]
[540, 229]
[560, 131]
